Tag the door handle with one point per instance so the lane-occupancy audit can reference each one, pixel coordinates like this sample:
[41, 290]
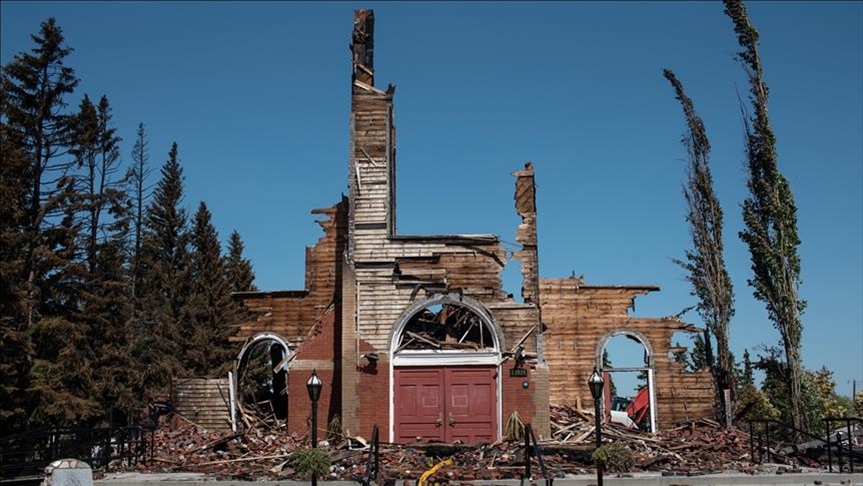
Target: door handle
[451, 419]
[439, 420]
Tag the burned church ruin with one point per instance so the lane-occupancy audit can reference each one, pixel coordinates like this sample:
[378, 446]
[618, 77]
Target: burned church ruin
[416, 335]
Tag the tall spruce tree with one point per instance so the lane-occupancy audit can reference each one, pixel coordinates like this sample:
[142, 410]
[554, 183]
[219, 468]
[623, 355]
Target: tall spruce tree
[165, 263]
[137, 176]
[16, 350]
[238, 268]
[770, 218]
[96, 150]
[211, 310]
[34, 86]
[705, 262]
[110, 312]
[62, 377]
[106, 307]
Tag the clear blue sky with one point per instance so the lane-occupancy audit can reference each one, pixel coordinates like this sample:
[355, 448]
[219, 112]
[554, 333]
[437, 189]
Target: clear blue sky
[256, 94]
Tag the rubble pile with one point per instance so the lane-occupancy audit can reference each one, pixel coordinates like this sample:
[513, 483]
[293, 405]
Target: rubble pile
[262, 452]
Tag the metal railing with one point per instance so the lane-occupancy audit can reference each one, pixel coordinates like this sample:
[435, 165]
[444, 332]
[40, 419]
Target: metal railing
[28, 452]
[374, 460]
[849, 438]
[763, 438]
[531, 448]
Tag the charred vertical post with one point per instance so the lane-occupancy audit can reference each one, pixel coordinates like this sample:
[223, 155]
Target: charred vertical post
[525, 204]
[371, 171]
[363, 46]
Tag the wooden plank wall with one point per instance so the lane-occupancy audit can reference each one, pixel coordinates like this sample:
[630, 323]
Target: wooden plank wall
[203, 401]
[578, 317]
[292, 314]
[472, 264]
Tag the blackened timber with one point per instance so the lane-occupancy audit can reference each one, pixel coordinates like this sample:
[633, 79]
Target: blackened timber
[371, 226]
[363, 46]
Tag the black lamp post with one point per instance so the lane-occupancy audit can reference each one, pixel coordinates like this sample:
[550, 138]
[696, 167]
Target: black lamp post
[595, 382]
[314, 386]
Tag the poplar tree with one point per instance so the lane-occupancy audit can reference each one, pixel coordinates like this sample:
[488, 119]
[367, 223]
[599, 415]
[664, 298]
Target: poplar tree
[705, 262]
[770, 218]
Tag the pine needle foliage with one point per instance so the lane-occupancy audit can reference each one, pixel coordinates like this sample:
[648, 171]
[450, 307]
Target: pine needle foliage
[308, 462]
[98, 302]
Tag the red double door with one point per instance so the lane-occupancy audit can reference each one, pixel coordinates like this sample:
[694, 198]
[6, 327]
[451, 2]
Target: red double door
[446, 404]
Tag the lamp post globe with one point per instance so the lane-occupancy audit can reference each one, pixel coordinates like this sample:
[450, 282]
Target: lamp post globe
[314, 386]
[595, 383]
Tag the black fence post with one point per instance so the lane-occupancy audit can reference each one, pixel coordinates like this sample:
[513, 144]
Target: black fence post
[374, 454]
[850, 443]
[538, 453]
[751, 442]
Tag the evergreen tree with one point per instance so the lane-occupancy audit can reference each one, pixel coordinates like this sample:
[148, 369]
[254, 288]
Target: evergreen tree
[106, 307]
[96, 149]
[748, 375]
[606, 364]
[137, 177]
[753, 403]
[238, 268]
[211, 309]
[699, 356]
[705, 263]
[34, 86]
[110, 312]
[770, 218]
[16, 350]
[165, 265]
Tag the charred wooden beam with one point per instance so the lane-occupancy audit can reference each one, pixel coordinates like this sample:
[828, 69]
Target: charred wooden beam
[363, 47]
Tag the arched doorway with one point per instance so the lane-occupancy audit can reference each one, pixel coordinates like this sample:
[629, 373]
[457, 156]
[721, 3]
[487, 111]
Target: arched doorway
[261, 367]
[625, 357]
[444, 372]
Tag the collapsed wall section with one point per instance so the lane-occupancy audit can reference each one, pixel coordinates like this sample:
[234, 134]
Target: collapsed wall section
[579, 320]
[293, 313]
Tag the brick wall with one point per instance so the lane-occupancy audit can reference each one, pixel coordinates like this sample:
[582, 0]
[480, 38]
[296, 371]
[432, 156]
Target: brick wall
[316, 354]
[531, 402]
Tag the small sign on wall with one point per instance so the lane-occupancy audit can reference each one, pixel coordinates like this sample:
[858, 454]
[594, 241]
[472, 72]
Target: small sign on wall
[518, 372]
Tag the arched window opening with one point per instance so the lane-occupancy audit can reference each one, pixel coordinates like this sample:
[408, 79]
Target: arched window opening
[625, 357]
[260, 378]
[445, 326]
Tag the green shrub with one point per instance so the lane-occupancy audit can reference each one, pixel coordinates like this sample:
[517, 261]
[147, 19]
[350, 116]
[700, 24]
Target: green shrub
[613, 457]
[307, 462]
